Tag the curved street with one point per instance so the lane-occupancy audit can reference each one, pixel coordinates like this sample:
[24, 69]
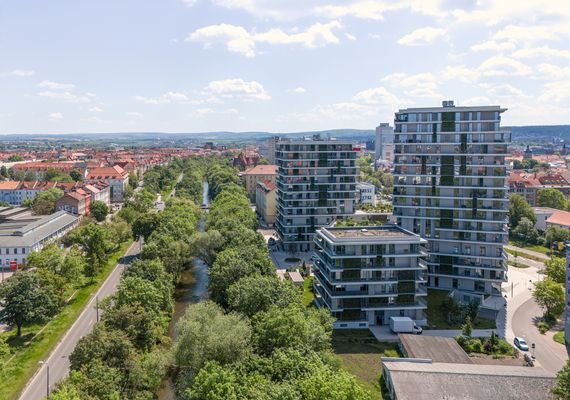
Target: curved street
[522, 311]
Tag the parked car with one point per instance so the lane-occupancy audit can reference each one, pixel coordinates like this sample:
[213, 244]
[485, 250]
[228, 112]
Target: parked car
[521, 343]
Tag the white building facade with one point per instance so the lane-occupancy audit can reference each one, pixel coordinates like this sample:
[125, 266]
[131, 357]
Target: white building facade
[366, 193]
[450, 188]
[384, 143]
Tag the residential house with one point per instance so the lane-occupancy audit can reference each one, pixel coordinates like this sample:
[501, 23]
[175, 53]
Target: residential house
[116, 177]
[260, 173]
[266, 202]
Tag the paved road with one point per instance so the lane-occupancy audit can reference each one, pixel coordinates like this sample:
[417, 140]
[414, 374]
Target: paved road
[531, 252]
[550, 355]
[525, 261]
[58, 360]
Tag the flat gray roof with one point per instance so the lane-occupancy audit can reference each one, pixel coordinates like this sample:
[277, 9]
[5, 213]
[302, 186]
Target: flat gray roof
[436, 348]
[428, 381]
[363, 232]
[27, 232]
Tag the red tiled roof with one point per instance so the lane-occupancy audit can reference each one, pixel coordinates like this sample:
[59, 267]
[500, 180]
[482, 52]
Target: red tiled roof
[114, 172]
[559, 218]
[262, 170]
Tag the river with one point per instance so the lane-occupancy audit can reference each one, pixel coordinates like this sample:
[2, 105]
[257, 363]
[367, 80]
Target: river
[192, 288]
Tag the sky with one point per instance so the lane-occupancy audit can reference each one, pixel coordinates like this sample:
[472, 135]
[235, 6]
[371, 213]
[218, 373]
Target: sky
[80, 66]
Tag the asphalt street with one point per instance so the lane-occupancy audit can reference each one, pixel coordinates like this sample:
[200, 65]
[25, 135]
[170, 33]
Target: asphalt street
[550, 355]
[58, 361]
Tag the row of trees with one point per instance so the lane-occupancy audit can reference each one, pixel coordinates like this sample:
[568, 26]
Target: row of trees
[126, 354]
[254, 339]
[379, 178]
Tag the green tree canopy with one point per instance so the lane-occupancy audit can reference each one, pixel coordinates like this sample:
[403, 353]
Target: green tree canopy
[556, 269]
[44, 202]
[519, 208]
[256, 293]
[23, 300]
[205, 333]
[553, 198]
[562, 386]
[550, 296]
[99, 210]
[294, 326]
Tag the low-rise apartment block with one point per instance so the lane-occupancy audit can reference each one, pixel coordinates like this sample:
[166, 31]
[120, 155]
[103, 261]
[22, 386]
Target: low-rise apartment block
[266, 202]
[115, 176]
[260, 173]
[365, 193]
[364, 276]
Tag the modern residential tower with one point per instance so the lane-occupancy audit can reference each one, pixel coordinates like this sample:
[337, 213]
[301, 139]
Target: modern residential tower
[316, 184]
[364, 276]
[450, 188]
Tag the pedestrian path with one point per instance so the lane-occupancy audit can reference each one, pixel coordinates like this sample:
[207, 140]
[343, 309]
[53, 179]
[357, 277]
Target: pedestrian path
[527, 251]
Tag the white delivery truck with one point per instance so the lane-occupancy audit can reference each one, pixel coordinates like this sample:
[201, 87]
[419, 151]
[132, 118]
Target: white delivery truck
[404, 325]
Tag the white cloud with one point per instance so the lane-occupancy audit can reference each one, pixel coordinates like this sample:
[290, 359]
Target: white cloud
[134, 114]
[349, 36]
[417, 85]
[503, 66]
[56, 116]
[526, 33]
[543, 51]
[476, 101]
[558, 92]
[96, 109]
[422, 36]
[372, 10]
[92, 120]
[492, 45]
[56, 86]
[459, 72]
[238, 40]
[22, 72]
[167, 98]
[374, 96]
[190, 3]
[553, 72]
[237, 89]
[65, 95]
[375, 36]
[299, 90]
[204, 111]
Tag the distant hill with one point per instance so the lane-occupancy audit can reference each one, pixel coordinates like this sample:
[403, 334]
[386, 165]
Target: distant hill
[540, 132]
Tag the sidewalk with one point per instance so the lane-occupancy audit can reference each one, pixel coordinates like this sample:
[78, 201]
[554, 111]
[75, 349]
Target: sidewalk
[527, 251]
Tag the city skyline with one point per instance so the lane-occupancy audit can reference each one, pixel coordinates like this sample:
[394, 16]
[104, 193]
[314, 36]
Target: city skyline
[242, 65]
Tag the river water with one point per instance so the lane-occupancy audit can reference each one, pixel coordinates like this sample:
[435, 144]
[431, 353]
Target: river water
[192, 288]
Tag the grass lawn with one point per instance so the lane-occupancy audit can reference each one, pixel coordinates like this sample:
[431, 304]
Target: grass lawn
[360, 352]
[517, 265]
[308, 293]
[559, 337]
[534, 247]
[26, 351]
[524, 255]
[437, 319]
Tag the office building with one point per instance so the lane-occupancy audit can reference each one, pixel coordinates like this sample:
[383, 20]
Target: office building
[364, 276]
[365, 193]
[384, 144]
[316, 184]
[450, 188]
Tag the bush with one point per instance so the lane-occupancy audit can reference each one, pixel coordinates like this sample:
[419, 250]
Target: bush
[543, 327]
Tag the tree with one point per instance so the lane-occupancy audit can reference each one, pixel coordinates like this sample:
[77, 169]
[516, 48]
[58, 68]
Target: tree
[44, 202]
[145, 225]
[553, 198]
[23, 300]
[525, 231]
[550, 296]
[205, 245]
[293, 326]
[556, 269]
[50, 257]
[95, 241]
[519, 208]
[15, 158]
[556, 234]
[467, 328]
[4, 172]
[205, 333]
[119, 230]
[76, 175]
[562, 386]
[256, 293]
[142, 328]
[326, 383]
[233, 264]
[136, 290]
[99, 210]
[73, 267]
[133, 180]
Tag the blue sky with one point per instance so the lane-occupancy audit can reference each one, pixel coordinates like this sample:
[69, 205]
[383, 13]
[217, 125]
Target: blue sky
[276, 65]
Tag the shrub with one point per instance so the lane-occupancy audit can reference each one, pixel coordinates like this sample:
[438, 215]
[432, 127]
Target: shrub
[543, 327]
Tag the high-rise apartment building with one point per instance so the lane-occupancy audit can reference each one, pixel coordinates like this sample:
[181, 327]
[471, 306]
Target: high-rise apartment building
[316, 184]
[450, 188]
[364, 276]
[384, 144]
